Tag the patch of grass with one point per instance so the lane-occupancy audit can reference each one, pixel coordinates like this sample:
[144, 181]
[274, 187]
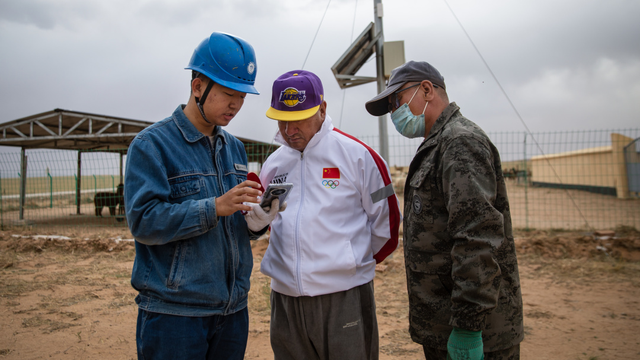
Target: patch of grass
[584, 271]
[47, 325]
[12, 287]
[4, 352]
[122, 300]
[52, 303]
[260, 296]
[537, 314]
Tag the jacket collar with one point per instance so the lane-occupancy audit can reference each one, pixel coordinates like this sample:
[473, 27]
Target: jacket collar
[327, 127]
[443, 119]
[189, 132]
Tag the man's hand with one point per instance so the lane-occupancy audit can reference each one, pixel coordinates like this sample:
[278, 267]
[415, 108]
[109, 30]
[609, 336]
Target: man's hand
[465, 345]
[258, 219]
[233, 200]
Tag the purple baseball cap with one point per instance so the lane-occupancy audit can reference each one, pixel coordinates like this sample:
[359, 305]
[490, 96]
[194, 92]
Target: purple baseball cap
[296, 95]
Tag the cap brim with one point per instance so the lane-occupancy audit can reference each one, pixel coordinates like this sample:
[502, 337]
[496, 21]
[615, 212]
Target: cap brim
[291, 115]
[379, 105]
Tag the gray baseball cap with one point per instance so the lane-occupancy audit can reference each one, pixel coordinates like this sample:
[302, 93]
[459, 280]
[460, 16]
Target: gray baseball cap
[408, 72]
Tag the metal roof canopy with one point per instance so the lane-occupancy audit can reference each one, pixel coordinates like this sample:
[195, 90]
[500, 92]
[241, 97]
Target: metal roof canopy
[85, 132]
[71, 130]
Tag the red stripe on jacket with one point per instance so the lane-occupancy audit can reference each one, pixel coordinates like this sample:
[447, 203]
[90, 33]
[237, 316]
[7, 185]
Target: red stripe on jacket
[394, 212]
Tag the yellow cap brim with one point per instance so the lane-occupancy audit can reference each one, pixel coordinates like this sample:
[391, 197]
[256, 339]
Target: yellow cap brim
[291, 115]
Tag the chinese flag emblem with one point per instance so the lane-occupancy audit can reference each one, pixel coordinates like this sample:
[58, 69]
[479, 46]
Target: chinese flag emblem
[331, 173]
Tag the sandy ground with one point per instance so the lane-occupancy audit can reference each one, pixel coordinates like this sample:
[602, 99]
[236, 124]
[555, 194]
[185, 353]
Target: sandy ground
[70, 298]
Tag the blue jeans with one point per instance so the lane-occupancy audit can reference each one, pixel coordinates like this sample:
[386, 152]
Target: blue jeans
[162, 336]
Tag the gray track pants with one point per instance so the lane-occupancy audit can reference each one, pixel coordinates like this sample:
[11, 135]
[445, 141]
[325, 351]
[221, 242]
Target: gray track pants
[341, 325]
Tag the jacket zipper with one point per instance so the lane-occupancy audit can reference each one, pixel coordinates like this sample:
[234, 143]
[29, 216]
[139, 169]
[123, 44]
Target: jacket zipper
[297, 229]
[224, 220]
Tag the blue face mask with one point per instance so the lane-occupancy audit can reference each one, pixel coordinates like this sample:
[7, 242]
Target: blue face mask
[406, 123]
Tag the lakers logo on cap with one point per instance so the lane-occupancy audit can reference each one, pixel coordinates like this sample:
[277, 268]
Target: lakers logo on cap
[292, 96]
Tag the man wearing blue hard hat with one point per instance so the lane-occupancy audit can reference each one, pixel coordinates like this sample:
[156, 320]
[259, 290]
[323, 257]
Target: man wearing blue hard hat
[185, 187]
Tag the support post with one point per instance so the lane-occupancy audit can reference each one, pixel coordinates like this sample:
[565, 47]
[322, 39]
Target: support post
[526, 183]
[382, 120]
[619, 164]
[50, 189]
[121, 167]
[1, 209]
[23, 181]
[79, 183]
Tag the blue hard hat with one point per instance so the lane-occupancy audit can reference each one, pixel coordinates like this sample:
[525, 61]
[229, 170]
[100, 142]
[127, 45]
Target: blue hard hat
[227, 60]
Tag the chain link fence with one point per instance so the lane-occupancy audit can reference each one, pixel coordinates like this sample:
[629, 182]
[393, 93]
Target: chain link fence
[555, 180]
[573, 180]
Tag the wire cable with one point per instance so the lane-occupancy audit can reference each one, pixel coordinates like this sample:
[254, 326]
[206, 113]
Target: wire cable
[316, 35]
[516, 111]
[344, 92]
[264, 157]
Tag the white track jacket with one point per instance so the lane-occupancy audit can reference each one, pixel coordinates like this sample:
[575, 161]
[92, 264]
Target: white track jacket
[342, 216]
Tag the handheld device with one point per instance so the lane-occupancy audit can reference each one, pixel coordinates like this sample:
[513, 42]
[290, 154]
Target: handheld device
[275, 191]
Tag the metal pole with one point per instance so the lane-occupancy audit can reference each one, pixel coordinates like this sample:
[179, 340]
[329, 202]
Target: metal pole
[382, 120]
[79, 183]
[121, 167]
[526, 180]
[1, 209]
[23, 180]
[50, 189]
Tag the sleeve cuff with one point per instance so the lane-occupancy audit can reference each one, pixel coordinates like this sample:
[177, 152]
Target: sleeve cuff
[471, 323]
[254, 235]
[210, 219]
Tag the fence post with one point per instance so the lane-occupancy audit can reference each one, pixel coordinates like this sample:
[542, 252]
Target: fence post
[1, 209]
[95, 185]
[75, 180]
[526, 183]
[79, 189]
[50, 189]
[23, 181]
[113, 184]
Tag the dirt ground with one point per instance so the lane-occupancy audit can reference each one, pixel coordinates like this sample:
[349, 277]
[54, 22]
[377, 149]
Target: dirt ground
[67, 296]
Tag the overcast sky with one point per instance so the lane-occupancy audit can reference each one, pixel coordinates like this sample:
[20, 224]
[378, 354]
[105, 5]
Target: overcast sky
[565, 64]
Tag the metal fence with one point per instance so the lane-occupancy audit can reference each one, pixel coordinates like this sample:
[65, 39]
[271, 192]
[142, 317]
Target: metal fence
[555, 180]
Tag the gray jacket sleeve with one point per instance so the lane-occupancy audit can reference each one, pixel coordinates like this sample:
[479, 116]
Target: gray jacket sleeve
[469, 185]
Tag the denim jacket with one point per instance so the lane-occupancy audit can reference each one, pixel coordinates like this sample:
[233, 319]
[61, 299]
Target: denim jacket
[188, 261]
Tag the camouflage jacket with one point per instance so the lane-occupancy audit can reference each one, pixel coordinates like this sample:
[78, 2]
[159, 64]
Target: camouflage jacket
[460, 255]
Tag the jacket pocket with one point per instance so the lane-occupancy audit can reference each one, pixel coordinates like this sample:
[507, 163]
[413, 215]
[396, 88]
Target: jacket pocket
[428, 262]
[418, 208]
[187, 188]
[177, 265]
[238, 174]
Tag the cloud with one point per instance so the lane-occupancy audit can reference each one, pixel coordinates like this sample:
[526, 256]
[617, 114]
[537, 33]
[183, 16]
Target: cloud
[600, 95]
[47, 15]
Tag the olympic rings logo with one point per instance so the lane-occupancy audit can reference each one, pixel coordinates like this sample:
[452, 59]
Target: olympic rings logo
[330, 184]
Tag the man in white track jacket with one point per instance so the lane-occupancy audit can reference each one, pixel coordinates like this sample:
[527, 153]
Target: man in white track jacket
[342, 218]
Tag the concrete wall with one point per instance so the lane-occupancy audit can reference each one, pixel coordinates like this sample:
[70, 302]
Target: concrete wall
[599, 168]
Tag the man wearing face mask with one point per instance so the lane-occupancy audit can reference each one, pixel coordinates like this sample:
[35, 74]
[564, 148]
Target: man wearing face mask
[462, 273]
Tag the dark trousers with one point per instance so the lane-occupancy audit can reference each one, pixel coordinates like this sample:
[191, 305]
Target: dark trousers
[512, 353]
[341, 325]
[162, 336]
